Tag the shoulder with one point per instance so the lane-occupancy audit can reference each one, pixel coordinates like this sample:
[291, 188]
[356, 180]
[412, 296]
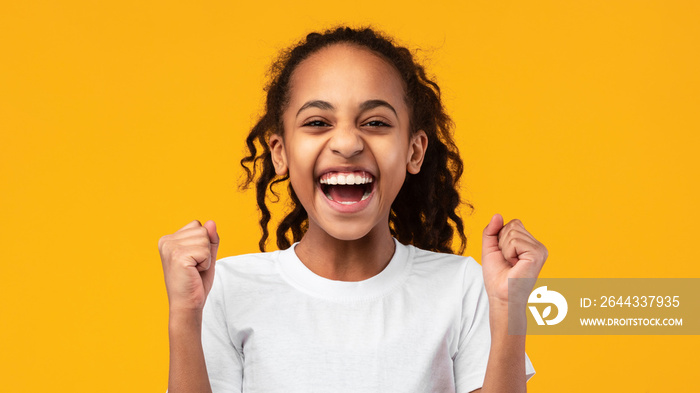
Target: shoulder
[445, 264]
[247, 266]
[458, 275]
[245, 283]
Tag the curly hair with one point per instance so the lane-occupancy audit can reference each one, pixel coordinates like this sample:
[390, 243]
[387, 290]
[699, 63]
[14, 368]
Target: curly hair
[424, 212]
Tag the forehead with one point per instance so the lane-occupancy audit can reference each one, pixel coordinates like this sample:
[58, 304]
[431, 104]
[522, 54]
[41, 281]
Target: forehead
[346, 73]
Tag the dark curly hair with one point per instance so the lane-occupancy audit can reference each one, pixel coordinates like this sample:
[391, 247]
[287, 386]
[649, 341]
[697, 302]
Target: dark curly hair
[427, 201]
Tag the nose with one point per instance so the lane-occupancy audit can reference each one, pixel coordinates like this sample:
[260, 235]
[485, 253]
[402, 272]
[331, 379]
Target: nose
[346, 142]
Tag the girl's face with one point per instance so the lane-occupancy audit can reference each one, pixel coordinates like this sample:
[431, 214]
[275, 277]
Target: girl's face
[346, 143]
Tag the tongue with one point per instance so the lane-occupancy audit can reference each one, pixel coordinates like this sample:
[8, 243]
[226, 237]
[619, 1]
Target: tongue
[346, 193]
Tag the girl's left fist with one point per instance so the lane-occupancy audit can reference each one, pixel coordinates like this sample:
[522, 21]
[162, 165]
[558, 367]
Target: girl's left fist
[509, 252]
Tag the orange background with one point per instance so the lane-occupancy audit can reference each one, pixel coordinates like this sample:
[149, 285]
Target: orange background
[122, 121]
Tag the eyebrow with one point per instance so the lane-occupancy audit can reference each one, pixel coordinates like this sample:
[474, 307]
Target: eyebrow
[367, 105]
[371, 104]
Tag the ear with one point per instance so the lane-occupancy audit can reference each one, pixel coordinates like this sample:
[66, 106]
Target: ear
[416, 152]
[279, 155]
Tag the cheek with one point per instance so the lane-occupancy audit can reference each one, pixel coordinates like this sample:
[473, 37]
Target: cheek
[394, 156]
[300, 172]
[302, 159]
[393, 166]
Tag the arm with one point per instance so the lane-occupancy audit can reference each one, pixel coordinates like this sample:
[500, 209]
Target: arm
[188, 371]
[505, 371]
[188, 257]
[508, 252]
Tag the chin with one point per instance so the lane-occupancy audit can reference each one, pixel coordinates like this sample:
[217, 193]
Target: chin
[348, 231]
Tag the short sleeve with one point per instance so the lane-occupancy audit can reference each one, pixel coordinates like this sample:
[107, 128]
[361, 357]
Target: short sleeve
[475, 334]
[224, 362]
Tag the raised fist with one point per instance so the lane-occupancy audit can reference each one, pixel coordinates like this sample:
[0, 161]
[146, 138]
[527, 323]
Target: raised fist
[189, 257]
[510, 251]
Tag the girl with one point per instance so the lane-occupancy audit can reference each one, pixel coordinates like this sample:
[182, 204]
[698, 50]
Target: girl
[368, 298]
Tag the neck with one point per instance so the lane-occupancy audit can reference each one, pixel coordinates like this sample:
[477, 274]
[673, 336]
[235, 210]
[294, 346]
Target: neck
[345, 260]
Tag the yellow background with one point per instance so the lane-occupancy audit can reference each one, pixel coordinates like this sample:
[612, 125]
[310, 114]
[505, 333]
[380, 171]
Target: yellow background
[122, 121]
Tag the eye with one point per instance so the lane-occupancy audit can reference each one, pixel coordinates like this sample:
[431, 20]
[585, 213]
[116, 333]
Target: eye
[377, 123]
[316, 123]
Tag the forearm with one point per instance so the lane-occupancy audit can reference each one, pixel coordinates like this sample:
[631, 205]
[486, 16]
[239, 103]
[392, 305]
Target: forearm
[505, 371]
[188, 371]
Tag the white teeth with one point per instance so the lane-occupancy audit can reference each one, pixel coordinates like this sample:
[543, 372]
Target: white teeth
[365, 195]
[346, 179]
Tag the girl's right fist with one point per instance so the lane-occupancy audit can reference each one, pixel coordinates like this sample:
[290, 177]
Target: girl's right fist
[189, 257]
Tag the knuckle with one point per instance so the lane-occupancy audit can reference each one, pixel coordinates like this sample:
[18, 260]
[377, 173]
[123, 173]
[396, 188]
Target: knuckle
[165, 246]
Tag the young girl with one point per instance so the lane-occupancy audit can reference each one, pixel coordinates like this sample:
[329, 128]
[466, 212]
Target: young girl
[369, 297]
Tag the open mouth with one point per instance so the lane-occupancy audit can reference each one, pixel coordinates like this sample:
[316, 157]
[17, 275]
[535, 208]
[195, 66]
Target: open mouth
[347, 188]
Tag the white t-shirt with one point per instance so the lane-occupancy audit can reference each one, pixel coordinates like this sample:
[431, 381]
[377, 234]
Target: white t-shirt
[421, 325]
